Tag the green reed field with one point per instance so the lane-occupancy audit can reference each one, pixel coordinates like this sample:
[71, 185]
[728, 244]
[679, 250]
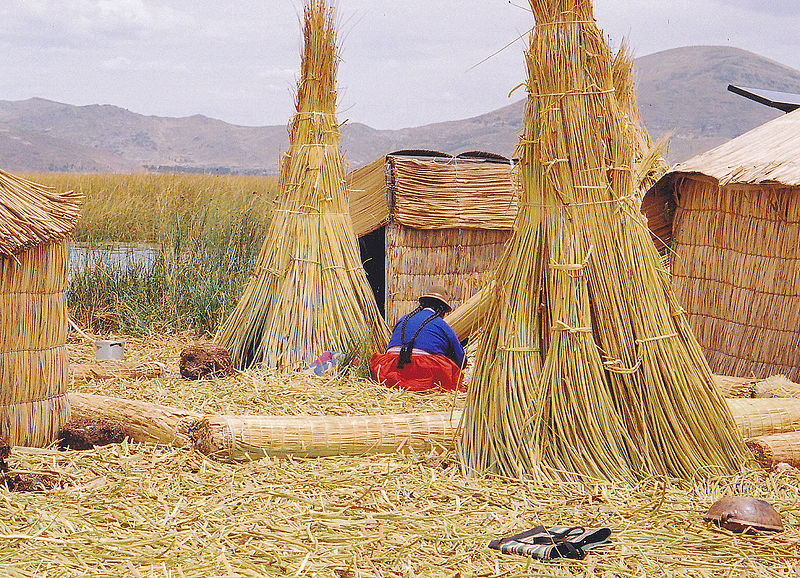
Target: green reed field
[205, 231]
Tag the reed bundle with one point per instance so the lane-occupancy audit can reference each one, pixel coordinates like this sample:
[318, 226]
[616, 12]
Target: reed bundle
[773, 386]
[116, 370]
[308, 292]
[141, 421]
[587, 368]
[648, 165]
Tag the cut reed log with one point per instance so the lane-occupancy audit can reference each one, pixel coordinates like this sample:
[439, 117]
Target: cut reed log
[248, 437]
[116, 370]
[760, 417]
[254, 437]
[309, 292]
[769, 451]
[141, 421]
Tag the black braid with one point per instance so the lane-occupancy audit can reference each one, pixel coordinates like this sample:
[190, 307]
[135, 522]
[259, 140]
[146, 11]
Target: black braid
[405, 350]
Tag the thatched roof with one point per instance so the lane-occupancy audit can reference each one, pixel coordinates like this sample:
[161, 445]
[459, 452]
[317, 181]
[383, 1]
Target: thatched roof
[434, 190]
[768, 154]
[31, 214]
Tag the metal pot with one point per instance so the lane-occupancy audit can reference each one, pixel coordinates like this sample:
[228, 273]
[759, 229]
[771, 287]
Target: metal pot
[105, 349]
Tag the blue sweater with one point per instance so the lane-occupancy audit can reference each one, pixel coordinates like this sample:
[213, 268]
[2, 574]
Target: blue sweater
[436, 337]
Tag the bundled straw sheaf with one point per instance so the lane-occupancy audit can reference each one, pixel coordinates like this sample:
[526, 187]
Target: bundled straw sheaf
[31, 214]
[309, 292]
[587, 368]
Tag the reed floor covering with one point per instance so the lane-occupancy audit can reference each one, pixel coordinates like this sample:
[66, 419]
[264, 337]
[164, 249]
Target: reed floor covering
[146, 510]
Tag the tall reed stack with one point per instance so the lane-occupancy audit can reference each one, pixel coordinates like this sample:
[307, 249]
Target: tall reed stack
[587, 368]
[35, 223]
[309, 291]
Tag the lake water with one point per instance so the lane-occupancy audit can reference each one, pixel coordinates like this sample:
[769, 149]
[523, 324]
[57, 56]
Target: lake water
[117, 256]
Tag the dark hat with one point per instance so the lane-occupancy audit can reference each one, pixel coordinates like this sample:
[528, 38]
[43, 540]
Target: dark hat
[439, 293]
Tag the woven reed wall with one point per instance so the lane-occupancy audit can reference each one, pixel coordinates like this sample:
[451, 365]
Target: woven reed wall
[455, 195]
[737, 273]
[33, 354]
[461, 260]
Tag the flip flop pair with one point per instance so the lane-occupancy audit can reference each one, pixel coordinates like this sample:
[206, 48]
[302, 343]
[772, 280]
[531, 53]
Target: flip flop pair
[552, 543]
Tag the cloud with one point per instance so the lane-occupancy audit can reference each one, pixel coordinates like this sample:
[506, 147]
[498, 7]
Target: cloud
[771, 7]
[77, 21]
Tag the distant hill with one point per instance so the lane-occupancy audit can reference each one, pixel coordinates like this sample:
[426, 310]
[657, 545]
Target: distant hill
[682, 91]
[685, 90]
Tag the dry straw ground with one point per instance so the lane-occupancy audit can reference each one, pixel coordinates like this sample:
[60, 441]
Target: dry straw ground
[144, 510]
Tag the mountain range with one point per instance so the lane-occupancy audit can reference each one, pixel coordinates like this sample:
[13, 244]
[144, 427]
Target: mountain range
[682, 92]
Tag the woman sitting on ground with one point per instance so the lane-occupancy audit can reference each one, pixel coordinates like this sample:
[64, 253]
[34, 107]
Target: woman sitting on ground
[424, 352]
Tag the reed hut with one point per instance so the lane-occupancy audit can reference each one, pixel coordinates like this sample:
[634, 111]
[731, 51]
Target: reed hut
[732, 218]
[35, 223]
[425, 217]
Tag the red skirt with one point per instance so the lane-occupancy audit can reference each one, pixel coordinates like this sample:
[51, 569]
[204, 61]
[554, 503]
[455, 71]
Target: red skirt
[424, 373]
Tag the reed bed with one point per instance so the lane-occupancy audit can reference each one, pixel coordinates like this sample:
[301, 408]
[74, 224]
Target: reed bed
[587, 366]
[200, 252]
[309, 292]
[150, 510]
[154, 208]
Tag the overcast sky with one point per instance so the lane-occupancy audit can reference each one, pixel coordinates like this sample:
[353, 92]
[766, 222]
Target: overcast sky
[404, 63]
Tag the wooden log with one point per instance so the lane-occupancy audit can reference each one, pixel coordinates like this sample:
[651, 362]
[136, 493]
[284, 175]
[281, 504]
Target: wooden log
[769, 451]
[116, 370]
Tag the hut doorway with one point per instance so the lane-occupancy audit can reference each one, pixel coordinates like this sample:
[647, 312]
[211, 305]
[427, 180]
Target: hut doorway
[373, 256]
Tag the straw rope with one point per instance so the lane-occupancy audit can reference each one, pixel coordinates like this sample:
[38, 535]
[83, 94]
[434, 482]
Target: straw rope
[309, 292]
[562, 414]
